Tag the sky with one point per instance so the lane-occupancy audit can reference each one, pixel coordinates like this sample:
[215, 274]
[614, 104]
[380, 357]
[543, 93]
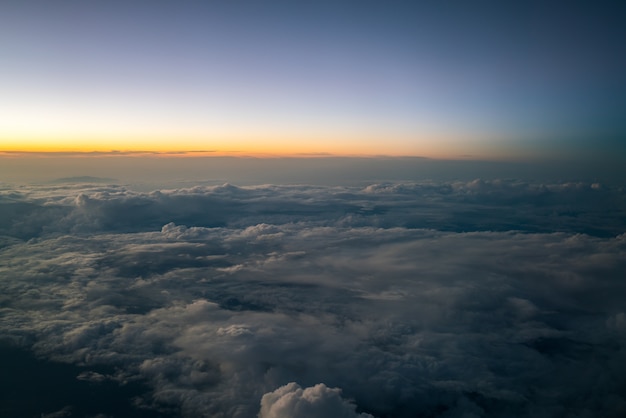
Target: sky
[488, 80]
[329, 209]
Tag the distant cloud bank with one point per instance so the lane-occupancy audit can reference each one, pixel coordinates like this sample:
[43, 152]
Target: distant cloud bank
[443, 299]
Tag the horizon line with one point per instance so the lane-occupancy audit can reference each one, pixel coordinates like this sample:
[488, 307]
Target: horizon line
[256, 155]
[206, 153]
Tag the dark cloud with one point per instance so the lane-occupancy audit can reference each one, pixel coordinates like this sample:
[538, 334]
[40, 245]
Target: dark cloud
[32, 387]
[483, 298]
[479, 205]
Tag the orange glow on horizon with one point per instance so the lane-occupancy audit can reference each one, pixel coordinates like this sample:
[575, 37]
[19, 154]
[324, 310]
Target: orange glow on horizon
[307, 146]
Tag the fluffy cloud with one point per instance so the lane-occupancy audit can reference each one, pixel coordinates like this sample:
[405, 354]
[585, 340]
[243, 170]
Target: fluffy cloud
[478, 205]
[291, 401]
[451, 299]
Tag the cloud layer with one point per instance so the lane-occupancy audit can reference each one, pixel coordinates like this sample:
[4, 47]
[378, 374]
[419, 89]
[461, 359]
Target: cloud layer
[484, 298]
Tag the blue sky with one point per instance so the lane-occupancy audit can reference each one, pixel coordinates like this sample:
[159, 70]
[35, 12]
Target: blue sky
[439, 79]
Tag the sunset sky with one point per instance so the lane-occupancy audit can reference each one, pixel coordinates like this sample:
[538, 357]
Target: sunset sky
[402, 78]
[312, 209]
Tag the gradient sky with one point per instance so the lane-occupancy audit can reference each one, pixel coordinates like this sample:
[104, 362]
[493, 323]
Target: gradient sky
[438, 79]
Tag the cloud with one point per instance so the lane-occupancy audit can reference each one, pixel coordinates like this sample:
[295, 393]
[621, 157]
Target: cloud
[291, 401]
[65, 412]
[477, 205]
[323, 284]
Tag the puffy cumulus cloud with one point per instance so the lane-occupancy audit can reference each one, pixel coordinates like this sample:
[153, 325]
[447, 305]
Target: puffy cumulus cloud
[291, 401]
[495, 205]
[498, 305]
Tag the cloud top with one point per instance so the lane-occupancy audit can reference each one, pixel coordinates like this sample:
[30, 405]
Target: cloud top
[448, 299]
[319, 401]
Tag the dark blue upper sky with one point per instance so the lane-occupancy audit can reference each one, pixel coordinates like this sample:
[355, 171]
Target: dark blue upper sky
[419, 78]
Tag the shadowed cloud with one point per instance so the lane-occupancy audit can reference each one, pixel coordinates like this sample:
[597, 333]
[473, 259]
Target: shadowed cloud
[487, 298]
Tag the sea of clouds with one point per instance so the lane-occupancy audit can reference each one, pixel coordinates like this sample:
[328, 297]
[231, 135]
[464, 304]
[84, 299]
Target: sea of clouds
[436, 299]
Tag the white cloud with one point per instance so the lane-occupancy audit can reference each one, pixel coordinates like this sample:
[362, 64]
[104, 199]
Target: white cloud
[319, 401]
